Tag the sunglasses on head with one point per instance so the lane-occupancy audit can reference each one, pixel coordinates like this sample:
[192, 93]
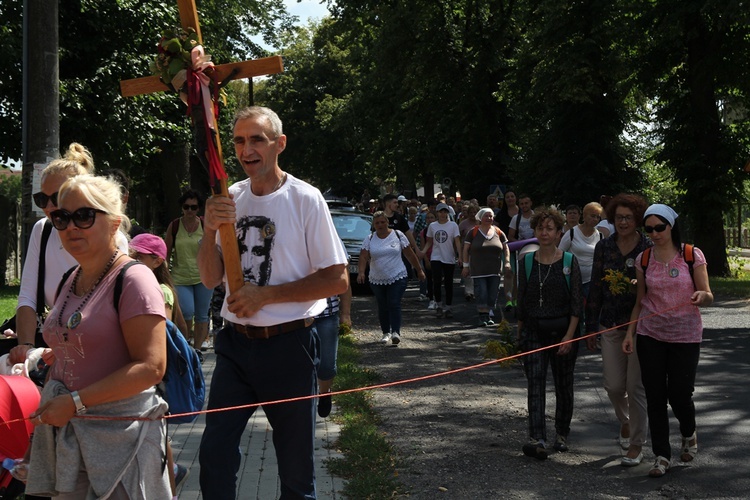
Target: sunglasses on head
[41, 199]
[83, 218]
[658, 228]
[189, 207]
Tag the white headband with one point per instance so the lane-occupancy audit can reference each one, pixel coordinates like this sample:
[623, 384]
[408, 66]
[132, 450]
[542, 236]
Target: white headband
[661, 210]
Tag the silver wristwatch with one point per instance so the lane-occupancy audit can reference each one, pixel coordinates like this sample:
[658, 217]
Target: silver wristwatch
[80, 407]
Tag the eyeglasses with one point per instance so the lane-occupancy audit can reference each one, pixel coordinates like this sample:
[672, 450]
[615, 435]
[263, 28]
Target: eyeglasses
[83, 218]
[623, 218]
[189, 207]
[659, 228]
[41, 199]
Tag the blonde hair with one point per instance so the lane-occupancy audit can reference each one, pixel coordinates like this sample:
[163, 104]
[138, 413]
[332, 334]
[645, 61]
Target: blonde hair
[593, 207]
[102, 193]
[76, 161]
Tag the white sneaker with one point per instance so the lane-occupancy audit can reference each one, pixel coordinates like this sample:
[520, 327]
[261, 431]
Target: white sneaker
[204, 345]
[432, 306]
[386, 338]
[422, 297]
[395, 338]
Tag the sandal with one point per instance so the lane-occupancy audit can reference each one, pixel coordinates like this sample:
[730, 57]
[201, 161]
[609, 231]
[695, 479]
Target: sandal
[689, 451]
[660, 467]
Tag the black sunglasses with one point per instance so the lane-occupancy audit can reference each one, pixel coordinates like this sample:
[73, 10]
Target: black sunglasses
[659, 228]
[83, 218]
[189, 207]
[41, 199]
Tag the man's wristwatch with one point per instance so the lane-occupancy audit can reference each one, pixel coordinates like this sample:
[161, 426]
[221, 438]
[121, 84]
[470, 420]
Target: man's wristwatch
[80, 407]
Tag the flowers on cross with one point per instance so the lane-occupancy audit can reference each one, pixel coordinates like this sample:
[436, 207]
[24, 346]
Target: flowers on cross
[174, 54]
[618, 281]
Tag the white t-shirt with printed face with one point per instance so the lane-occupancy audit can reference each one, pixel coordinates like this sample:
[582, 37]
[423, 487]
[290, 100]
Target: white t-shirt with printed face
[283, 237]
[443, 238]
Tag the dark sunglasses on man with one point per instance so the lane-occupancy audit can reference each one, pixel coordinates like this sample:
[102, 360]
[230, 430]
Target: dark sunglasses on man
[659, 228]
[83, 218]
[41, 199]
[190, 207]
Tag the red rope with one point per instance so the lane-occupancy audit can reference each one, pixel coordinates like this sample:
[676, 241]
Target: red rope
[384, 385]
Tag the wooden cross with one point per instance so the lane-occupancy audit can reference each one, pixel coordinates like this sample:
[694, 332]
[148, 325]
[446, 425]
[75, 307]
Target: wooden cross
[246, 69]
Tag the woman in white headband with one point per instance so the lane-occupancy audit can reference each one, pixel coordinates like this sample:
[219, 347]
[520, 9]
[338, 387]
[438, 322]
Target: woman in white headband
[672, 284]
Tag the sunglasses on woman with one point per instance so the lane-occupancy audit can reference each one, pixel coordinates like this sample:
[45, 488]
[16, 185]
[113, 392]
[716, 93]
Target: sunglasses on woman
[659, 228]
[83, 218]
[41, 199]
[190, 207]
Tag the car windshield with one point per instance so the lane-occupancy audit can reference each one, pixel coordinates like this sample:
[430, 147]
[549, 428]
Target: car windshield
[352, 227]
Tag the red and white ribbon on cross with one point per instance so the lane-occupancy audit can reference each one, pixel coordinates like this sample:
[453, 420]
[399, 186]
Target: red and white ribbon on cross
[199, 94]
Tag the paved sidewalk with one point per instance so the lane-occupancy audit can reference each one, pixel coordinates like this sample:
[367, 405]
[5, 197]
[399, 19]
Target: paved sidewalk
[258, 475]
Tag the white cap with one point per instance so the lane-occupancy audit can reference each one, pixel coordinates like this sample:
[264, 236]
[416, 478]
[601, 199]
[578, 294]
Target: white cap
[401, 197]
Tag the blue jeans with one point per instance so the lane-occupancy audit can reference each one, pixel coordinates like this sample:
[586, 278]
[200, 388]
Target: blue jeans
[389, 304]
[252, 371]
[194, 301]
[485, 291]
[328, 331]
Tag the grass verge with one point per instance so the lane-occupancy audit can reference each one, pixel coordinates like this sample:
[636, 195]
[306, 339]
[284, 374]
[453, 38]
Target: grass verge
[738, 287]
[8, 301]
[370, 463]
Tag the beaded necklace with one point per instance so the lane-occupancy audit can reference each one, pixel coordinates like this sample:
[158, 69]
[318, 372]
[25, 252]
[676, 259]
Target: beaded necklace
[76, 318]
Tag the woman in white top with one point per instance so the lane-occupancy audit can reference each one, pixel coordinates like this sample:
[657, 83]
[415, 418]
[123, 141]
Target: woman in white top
[581, 241]
[388, 276]
[444, 239]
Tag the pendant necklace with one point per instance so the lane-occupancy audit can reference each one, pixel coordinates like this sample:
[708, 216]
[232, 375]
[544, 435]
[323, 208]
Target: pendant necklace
[542, 281]
[76, 318]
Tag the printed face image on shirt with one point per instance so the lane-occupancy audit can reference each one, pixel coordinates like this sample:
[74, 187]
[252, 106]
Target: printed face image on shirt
[441, 236]
[256, 235]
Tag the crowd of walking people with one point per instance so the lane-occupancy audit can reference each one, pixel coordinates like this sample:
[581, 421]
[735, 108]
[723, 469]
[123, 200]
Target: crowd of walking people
[566, 274]
[616, 272]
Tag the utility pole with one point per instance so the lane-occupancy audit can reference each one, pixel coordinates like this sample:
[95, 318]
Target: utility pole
[41, 99]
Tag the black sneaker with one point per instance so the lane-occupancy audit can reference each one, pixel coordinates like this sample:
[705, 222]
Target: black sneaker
[324, 405]
[200, 355]
[535, 449]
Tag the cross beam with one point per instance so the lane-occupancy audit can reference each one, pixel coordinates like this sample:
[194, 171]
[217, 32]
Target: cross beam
[246, 69]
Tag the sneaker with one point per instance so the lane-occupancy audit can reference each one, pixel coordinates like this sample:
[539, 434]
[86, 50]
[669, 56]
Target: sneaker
[432, 306]
[508, 306]
[386, 338]
[395, 338]
[490, 322]
[422, 296]
[439, 312]
[180, 475]
[324, 405]
[200, 355]
[204, 345]
[561, 443]
[447, 314]
[535, 449]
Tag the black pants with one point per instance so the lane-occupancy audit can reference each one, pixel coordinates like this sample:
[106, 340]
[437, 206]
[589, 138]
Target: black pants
[442, 272]
[668, 373]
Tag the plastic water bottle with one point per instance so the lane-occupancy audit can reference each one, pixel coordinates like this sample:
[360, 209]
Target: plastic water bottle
[18, 468]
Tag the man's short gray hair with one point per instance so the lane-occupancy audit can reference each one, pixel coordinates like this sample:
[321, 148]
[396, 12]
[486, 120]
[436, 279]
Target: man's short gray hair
[259, 111]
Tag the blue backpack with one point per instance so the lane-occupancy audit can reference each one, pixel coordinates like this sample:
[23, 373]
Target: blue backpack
[183, 383]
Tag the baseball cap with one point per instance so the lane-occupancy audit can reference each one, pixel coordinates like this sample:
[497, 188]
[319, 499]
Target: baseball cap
[442, 206]
[401, 197]
[148, 243]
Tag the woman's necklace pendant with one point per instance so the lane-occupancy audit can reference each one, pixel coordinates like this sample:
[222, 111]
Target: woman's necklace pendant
[674, 272]
[74, 320]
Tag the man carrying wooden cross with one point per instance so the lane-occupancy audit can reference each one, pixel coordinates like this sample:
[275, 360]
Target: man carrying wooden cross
[291, 259]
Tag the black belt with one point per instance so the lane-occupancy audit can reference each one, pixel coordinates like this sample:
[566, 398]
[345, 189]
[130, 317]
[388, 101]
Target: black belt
[266, 332]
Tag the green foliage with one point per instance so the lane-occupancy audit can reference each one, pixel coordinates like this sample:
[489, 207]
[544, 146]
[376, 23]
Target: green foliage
[10, 187]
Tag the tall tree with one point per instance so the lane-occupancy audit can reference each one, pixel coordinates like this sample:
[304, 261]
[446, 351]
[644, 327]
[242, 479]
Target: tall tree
[694, 64]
